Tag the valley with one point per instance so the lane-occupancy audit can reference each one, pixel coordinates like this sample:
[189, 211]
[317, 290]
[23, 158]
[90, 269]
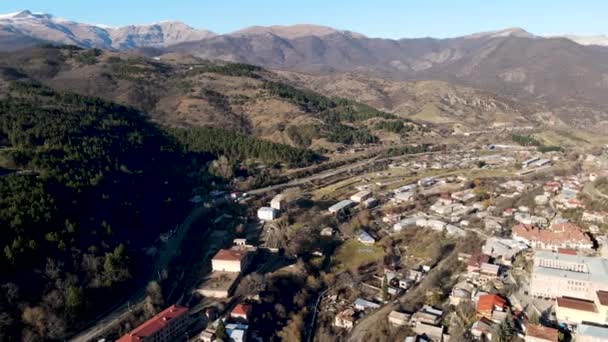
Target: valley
[300, 183]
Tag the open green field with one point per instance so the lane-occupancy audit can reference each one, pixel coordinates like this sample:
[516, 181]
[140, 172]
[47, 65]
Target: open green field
[352, 254]
[570, 138]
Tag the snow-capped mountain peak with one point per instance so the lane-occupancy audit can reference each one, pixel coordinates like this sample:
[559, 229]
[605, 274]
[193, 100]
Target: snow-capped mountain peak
[31, 27]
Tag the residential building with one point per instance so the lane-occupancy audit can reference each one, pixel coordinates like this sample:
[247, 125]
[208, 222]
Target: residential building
[503, 250]
[399, 319]
[267, 213]
[464, 195]
[327, 231]
[370, 203]
[407, 222]
[341, 206]
[426, 182]
[241, 312]
[404, 196]
[363, 304]
[489, 271]
[434, 332]
[488, 303]
[168, 325]
[475, 261]
[575, 311]
[539, 333]
[365, 238]
[208, 335]
[462, 291]
[360, 196]
[278, 202]
[564, 275]
[345, 319]
[483, 328]
[230, 260]
[562, 235]
[428, 315]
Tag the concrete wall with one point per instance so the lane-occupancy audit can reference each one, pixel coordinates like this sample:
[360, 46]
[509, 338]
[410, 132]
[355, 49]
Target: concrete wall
[226, 265]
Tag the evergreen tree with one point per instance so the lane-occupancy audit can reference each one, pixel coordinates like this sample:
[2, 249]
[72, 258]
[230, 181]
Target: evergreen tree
[220, 331]
[385, 294]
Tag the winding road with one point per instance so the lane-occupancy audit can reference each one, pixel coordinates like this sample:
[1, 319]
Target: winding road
[121, 311]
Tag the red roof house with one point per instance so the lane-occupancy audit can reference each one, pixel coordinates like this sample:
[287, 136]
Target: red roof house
[168, 325]
[241, 312]
[475, 261]
[489, 303]
[540, 333]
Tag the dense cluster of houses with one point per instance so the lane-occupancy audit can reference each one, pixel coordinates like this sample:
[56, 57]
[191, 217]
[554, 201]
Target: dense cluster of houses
[562, 259]
[538, 231]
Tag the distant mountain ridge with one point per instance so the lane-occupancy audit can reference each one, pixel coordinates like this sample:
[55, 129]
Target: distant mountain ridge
[25, 28]
[599, 40]
[557, 73]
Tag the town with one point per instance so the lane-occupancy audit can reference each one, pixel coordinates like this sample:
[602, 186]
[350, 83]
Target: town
[495, 243]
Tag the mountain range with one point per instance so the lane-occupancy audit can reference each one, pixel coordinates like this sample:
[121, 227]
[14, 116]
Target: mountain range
[554, 75]
[25, 28]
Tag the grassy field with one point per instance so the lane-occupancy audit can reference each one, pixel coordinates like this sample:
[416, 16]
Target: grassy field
[352, 254]
[572, 137]
[430, 113]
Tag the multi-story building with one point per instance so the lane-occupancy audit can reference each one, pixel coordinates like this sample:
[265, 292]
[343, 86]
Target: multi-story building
[231, 260]
[565, 275]
[168, 325]
[562, 235]
[575, 311]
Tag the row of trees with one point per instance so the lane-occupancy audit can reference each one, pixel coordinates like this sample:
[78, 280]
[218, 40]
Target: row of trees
[228, 69]
[528, 140]
[398, 127]
[237, 146]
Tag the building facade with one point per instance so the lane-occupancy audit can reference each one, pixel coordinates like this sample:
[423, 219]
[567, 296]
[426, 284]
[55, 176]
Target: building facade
[230, 260]
[169, 325]
[565, 275]
[563, 235]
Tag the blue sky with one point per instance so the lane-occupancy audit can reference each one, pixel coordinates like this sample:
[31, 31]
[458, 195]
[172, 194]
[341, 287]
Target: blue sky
[377, 18]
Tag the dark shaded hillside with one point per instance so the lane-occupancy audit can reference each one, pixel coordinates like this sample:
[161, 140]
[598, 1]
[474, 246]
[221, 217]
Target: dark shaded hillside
[98, 184]
[72, 235]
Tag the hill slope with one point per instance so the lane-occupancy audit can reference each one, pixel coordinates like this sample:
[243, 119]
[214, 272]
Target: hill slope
[189, 92]
[555, 72]
[427, 101]
[569, 79]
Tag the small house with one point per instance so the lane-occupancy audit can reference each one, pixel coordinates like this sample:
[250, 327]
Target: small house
[363, 304]
[365, 238]
[267, 213]
[360, 196]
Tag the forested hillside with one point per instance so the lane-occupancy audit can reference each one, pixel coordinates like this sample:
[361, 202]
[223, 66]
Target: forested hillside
[97, 182]
[184, 92]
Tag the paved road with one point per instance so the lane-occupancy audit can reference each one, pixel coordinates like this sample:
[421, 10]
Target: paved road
[335, 171]
[309, 331]
[320, 175]
[122, 311]
[368, 322]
